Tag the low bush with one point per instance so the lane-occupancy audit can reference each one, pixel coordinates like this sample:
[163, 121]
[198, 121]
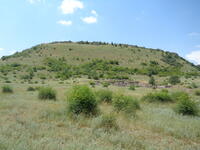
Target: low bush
[92, 83]
[126, 104]
[31, 88]
[7, 89]
[177, 96]
[161, 96]
[47, 93]
[107, 122]
[106, 84]
[187, 107]
[193, 86]
[104, 96]
[81, 100]
[174, 80]
[132, 87]
[197, 92]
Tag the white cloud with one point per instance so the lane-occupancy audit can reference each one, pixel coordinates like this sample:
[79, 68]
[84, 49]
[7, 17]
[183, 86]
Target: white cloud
[194, 56]
[89, 20]
[34, 1]
[194, 34]
[70, 6]
[65, 23]
[1, 49]
[94, 12]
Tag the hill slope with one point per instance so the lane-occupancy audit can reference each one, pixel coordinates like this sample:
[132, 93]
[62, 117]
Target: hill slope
[96, 60]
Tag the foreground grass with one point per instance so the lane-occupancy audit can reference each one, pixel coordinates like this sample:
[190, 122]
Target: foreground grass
[28, 123]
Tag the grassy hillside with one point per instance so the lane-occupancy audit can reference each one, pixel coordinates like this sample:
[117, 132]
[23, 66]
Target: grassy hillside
[93, 60]
[98, 96]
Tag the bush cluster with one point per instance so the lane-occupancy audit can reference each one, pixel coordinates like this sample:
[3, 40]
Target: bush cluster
[81, 100]
[31, 88]
[108, 122]
[47, 93]
[197, 92]
[161, 96]
[187, 107]
[7, 89]
[104, 96]
[126, 104]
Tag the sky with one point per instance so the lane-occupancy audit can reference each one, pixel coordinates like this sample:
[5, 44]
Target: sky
[172, 25]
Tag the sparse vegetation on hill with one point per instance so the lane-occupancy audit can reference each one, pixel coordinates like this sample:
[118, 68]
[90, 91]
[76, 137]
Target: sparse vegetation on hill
[66, 60]
[136, 98]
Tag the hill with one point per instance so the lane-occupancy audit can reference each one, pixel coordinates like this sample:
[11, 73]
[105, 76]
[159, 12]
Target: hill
[94, 60]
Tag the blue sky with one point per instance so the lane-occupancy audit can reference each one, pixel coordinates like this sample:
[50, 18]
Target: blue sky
[172, 25]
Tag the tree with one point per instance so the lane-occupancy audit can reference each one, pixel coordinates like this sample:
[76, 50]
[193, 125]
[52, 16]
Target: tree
[152, 81]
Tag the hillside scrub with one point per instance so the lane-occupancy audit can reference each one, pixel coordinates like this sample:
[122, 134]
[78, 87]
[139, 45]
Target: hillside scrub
[7, 89]
[161, 96]
[104, 95]
[197, 92]
[174, 80]
[125, 104]
[81, 100]
[187, 107]
[30, 88]
[47, 93]
[107, 122]
[177, 96]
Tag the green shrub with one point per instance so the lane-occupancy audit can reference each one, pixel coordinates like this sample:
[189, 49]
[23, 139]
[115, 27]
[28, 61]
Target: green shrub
[31, 88]
[193, 85]
[125, 103]
[187, 107]
[174, 80]
[81, 100]
[132, 87]
[47, 93]
[152, 81]
[92, 83]
[106, 84]
[7, 89]
[104, 96]
[177, 96]
[197, 92]
[161, 96]
[108, 122]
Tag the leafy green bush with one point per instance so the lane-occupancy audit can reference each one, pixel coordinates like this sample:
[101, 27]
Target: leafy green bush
[81, 100]
[7, 89]
[92, 83]
[108, 122]
[197, 92]
[161, 96]
[132, 87]
[177, 96]
[152, 81]
[31, 88]
[104, 96]
[187, 107]
[193, 85]
[174, 80]
[47, 93]
[105, 84]
[124, 103]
